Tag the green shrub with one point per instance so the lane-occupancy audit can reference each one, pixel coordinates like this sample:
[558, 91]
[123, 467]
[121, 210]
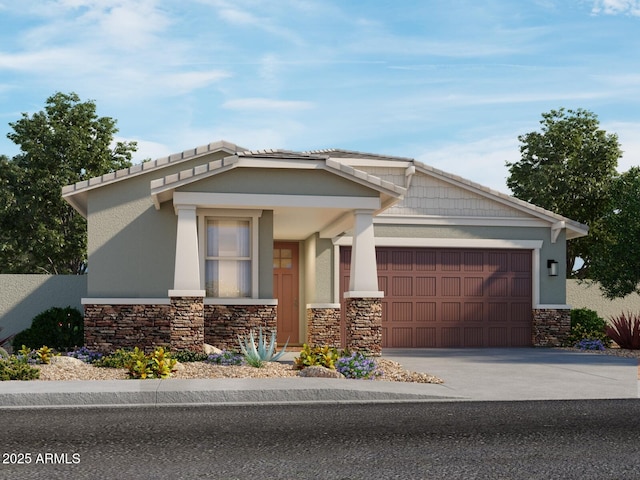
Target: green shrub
[625, 330]
[117, 359]
[587, 325]
[15, 369]
[323, 356]
[60, 328]
[186, 356]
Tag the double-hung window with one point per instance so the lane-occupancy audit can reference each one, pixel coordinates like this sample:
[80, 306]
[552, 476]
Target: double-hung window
[228, 257]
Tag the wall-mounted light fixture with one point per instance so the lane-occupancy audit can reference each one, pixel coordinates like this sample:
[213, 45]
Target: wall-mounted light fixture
[552, 265]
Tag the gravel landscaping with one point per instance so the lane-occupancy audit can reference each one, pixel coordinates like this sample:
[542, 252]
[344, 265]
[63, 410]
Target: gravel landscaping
[77, 370]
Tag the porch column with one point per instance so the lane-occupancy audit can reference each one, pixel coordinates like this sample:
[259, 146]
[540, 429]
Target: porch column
[363, 312]
[186, 279]
[363, 281]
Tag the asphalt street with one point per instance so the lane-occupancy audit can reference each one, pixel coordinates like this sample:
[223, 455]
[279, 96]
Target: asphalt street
[578, 439]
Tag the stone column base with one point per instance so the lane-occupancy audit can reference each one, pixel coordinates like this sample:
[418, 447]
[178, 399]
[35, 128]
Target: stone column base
[364, 324]
[551, 327]
[187, 323]
[323, 325]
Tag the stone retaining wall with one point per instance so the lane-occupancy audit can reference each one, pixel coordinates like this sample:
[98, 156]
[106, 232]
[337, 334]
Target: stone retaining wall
[550, 327]
[109, 327]
[223, 323]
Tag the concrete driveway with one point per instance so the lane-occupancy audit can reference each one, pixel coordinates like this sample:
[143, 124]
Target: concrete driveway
[524, 373]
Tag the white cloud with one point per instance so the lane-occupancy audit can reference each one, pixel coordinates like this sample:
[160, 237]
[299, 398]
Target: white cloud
[616, 7]
[629, 143]
[266, 104]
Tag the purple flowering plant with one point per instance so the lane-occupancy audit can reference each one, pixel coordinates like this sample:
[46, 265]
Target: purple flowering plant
[590, 344]
[85, 354]
[226, 358]
[358, 366]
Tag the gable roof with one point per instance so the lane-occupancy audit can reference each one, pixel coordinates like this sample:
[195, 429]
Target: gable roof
[338, 161]
[76, 194]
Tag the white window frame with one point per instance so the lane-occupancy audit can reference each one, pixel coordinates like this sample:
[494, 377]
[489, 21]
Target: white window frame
[237, 214]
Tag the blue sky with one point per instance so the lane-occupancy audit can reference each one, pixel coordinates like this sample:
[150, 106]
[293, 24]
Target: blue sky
[451, 83]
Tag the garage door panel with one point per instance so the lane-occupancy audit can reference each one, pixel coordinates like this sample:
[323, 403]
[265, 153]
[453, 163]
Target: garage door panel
[521, 287]
[452, 297]
[402, 337]
[426, 312]
[473, 312]
[425, 286]
[473, 261]
[450, 286]
[450, 337]
[473, 337]
[498, 312]
[473, 287]
[401, 286]
[498, 287]
[426, 260]
[401, 312]
[520, 337]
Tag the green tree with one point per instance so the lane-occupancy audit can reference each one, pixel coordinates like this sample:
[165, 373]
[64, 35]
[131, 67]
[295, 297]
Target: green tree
[65, 143]
[616, 251]
[567, 168]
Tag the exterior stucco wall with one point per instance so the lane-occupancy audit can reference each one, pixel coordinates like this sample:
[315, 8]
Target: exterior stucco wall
[265, 254]
[272, 181]
[131, 245]
[552, 289]
[22, 297]
[583, 295]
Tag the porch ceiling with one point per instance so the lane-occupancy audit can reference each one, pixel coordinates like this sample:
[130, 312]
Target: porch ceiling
[294, 223]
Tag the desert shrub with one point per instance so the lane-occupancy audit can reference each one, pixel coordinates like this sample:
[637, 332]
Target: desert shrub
[587, 325]
[358, 365]
[13, 368]
[258, 350]
[323, 356]
[60, 328]
[625, 330]
[186, 356]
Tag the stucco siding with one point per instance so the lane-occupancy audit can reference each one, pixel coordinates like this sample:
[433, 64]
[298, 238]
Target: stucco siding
[265, 237]
[587, 295]
[281, 182]
[22, 297]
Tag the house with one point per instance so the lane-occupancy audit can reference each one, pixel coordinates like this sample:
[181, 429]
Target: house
[327, 247]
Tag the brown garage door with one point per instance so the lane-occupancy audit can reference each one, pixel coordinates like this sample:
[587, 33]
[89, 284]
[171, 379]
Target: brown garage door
[451, 297]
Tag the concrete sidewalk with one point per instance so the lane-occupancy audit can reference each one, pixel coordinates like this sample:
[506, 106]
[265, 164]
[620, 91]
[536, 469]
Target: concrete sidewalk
[469, 374]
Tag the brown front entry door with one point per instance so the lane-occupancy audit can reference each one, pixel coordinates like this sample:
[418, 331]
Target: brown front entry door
[286, 289]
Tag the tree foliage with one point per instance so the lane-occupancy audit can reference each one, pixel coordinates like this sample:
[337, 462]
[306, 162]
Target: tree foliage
[616, 252]
[567, 168]
[65, 143]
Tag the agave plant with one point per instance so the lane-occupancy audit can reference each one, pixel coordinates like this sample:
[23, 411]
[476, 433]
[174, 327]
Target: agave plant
[264, 351]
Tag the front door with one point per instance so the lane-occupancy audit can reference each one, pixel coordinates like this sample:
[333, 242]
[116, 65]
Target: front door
[286, 290]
